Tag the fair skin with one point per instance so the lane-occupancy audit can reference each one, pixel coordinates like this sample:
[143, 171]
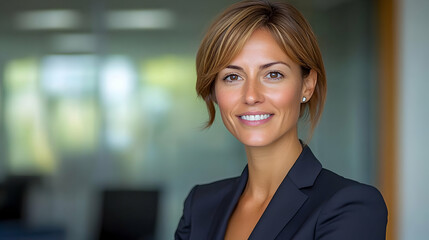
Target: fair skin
[259, 96]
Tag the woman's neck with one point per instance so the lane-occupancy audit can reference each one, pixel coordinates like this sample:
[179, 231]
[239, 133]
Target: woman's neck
[269, 165]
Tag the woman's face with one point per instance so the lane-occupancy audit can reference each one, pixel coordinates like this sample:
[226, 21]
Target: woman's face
[259, 93]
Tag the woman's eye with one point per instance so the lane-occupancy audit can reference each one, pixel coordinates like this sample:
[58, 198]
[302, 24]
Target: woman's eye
[274, 75]
[232, 77]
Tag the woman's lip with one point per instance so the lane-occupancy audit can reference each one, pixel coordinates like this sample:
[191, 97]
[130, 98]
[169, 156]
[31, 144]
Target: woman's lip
[254, 113]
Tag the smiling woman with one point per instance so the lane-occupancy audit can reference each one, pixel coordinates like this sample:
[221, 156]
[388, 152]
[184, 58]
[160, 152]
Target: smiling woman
[261, 64]
[259, 94]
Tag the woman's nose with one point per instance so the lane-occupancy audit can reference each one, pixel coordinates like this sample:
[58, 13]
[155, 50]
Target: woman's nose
[253, 93]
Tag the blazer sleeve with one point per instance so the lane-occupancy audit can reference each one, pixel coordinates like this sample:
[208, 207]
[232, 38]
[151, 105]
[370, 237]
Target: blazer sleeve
[354, 212]
[183, 230]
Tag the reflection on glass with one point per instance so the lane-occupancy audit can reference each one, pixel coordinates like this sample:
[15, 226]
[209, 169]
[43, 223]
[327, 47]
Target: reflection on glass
[68, 75]
[118, 87]
[29, 147]
[74, 125]
[174, 73]
[118, 80]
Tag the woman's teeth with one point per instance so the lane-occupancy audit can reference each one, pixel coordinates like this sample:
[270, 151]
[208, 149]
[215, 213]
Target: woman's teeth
[255, 117]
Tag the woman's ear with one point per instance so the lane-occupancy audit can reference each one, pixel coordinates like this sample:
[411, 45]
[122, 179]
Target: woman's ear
[309, 84]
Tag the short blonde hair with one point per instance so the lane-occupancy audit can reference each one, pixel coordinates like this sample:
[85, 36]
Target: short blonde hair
[229, 32]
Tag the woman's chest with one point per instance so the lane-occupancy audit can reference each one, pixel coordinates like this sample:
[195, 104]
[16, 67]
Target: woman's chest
[244, 219]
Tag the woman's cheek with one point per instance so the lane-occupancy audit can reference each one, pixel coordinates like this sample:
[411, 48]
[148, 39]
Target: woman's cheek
[225, 99]
[284, 97]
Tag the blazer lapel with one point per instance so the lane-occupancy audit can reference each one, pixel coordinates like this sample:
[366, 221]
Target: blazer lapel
[227, 206]
[288, 198]
[283, 206]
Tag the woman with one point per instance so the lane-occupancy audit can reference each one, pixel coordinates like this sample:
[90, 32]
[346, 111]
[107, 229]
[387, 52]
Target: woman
[261, 64]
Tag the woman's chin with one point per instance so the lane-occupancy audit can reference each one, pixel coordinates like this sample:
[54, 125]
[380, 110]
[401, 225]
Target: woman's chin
[256, 141]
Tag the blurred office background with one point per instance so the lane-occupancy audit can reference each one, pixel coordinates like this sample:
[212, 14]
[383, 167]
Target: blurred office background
[100, 127]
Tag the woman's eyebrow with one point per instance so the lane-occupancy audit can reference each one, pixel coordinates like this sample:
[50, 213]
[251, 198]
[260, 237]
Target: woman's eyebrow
[234, 67]
[261, 67]
[273, 63]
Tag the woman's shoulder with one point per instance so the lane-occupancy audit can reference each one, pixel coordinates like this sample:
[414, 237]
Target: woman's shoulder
[203, 200]
[208, 189]
[350, 207]
[335, 184]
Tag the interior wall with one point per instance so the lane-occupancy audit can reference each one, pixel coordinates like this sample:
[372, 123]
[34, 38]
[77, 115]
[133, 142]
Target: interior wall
[413, 118]
[346, 139]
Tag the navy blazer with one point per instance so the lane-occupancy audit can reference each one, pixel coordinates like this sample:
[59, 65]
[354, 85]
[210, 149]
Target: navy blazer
[310, 203]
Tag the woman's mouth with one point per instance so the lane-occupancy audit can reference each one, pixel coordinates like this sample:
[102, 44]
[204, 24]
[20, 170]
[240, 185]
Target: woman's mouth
[255, 119]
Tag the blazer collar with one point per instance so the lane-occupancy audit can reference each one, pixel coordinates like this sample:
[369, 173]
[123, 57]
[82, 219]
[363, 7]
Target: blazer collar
[306, 169]
[285, 203]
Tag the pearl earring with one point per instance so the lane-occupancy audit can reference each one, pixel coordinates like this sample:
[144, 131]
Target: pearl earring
[304, 99]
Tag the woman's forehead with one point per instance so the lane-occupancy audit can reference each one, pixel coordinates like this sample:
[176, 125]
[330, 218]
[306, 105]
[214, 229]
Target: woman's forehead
[259, 49]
